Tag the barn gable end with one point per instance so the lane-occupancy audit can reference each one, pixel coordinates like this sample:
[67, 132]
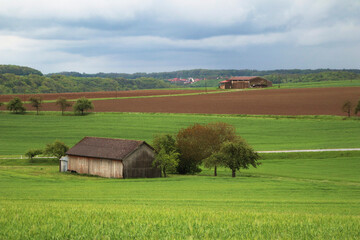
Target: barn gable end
[139, 163]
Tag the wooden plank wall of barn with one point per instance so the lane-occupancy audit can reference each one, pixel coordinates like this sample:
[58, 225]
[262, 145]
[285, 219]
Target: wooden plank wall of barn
[94, 166]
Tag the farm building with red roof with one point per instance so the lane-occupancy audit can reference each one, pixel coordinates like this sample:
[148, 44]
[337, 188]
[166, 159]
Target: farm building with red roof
[245, 82]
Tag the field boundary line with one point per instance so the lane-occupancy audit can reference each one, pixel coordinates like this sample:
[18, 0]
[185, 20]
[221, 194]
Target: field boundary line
[21, 157]
[149, 96]
[312, 150]
[275, 151]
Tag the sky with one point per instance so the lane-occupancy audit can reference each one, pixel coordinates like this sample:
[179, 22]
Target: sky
[130, 36]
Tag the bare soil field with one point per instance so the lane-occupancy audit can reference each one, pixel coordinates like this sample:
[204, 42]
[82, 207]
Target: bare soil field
[305, 101]
[112, 94]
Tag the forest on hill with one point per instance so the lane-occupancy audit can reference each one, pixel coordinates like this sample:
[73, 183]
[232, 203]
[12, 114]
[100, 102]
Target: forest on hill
[206, 73]
[18, 80]
[18, 70]
[17, 84]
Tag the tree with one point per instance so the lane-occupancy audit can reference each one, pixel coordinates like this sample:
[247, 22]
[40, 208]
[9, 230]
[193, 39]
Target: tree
[57, 149]
[167, 162]
[198, 142]
[220, 133]
[192, 143]
[83, 104]
[63, 104]
[167, 157]
[32, 153]
[1, 104]
[36, 103]
[347, 107]
[16, 105]
[164, 141]
[236, 155]
[357, 109]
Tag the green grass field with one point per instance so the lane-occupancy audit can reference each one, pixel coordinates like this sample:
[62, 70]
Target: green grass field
[342, 83]
[20, 133]
[290, 196]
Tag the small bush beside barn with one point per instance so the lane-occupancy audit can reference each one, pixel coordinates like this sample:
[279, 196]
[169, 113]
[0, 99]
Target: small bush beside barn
[112, 158]
[245, 82]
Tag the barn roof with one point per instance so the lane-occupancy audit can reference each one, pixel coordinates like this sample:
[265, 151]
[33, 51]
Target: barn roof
[225, 81]
[243, 78]
[108, 148]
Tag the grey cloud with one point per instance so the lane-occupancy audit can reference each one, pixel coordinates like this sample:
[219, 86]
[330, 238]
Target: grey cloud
[161, 35]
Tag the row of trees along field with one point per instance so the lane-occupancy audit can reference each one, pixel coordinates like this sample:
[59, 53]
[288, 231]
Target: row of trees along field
[56, 149]
[19, 80]
[211, 145]
[81, 106]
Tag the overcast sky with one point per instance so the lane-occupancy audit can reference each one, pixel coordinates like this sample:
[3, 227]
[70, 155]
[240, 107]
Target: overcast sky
[164, 35]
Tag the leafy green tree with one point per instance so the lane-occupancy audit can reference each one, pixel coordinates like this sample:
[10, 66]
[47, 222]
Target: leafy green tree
[164, 141]
[16, 105]
[36, 102]
[167, 157]
[220, 133]
[167, 162]
[1, 104]
[357, 108]
[82, 104]
[63, 104]
[236, 155]
[33, 152]
[347, 106]
[192, 143]
[198, 142]
[57, 149]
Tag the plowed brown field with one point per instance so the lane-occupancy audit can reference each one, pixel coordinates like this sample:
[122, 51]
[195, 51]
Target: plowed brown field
[112, 94]
[306, 101]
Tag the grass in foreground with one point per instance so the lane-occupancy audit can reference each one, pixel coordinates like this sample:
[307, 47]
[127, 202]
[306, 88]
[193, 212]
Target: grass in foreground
[285, 198]
[20, 133]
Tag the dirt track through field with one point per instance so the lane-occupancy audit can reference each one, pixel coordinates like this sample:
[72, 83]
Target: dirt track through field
[306, 101]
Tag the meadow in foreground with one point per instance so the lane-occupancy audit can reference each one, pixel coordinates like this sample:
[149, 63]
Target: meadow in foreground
[290, 196]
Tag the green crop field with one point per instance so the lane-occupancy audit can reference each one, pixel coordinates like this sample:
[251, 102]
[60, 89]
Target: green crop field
[340, 83]
[20, 133]
[290, 196]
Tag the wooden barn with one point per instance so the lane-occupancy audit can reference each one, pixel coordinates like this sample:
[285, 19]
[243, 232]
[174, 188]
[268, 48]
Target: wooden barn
[111, 158]
[245, 82]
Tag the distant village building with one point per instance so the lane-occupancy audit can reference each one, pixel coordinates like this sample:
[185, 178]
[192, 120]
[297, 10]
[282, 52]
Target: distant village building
[245, 82]
[189, 80]
[111, 158]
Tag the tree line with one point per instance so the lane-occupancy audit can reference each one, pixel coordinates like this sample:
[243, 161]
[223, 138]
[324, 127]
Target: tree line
[56, 149]
[33, 83]
[16, 79]
[206, 73]
[81, 106]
